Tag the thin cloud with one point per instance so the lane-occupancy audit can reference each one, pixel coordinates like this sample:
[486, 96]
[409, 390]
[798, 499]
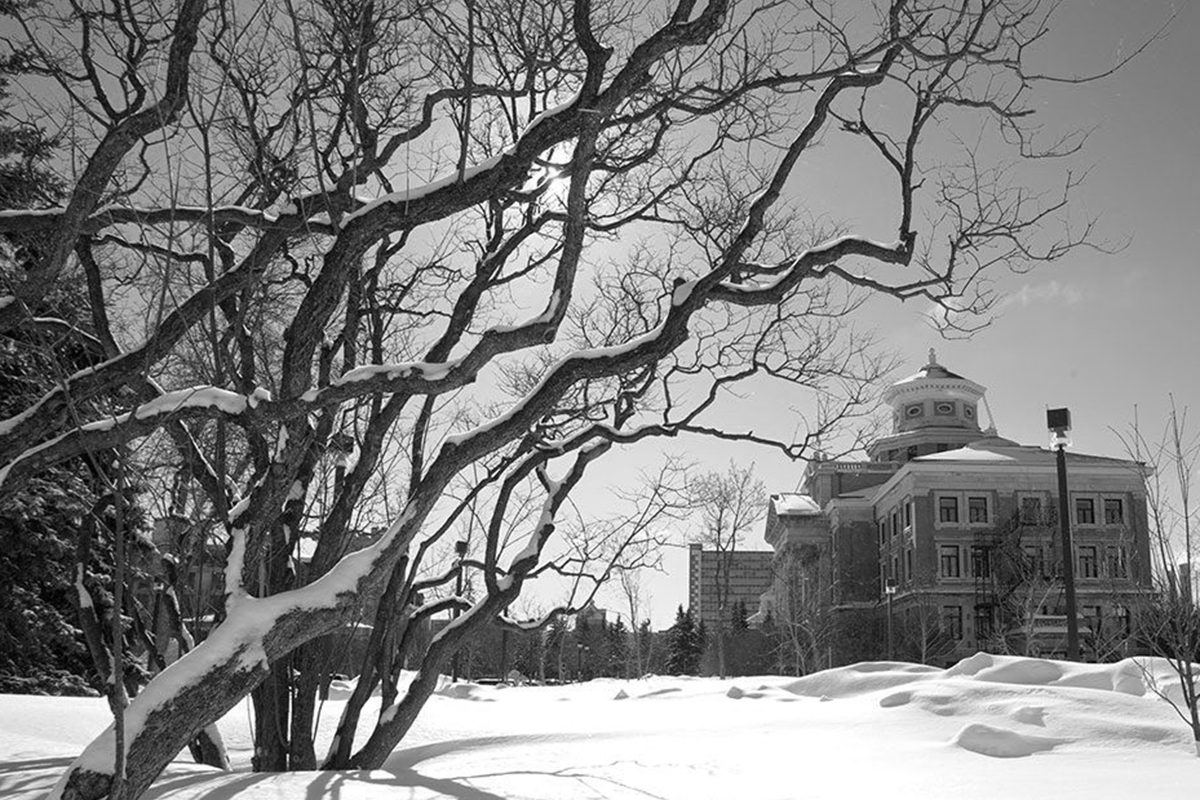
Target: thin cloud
[1053, 292]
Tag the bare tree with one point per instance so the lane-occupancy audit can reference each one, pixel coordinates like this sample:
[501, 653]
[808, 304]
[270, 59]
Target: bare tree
[803, 613]
[1169, 621]
[920, 633]
[728, 504]
[413, 268]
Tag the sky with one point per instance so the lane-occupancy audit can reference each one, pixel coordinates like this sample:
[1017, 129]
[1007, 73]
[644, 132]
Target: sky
[1097, 333]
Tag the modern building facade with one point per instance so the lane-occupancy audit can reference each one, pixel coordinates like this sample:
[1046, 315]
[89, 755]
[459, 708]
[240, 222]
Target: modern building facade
[961, 525]
[747, 575]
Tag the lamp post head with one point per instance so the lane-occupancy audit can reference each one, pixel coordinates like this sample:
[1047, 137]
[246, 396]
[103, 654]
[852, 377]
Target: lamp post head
[1058, 421]
[460, 547]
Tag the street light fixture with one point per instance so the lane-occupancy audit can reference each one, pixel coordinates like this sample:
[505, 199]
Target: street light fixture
[889, 589]
[1058, 421]
[460, 552]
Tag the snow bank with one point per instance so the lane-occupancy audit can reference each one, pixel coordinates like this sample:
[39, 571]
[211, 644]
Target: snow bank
[999, 743]
[857, 679]
[1123, 676]
[989, 727]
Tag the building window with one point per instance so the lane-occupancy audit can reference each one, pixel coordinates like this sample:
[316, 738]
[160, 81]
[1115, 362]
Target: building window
[1115, 555]
[948, 509]
[943, 409]
[1114, 511]
[908, 514]
[1091, 617]
[948, 559]
[977, 509]
[980, 562]
[1085, 511]
[1031, 510]
[882, 532]
[952, 621]
[1088, 567]
[1035, 566]
[895, 523]
[968, 411]
[1123, 620]
[908, 572]
[983, 623]
[914, 410]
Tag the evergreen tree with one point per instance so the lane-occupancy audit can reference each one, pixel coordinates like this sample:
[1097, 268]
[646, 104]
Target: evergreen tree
[685, 644]
[652, 650]
[618, 649]
[41, 645]
[557, 635]
[738, 640]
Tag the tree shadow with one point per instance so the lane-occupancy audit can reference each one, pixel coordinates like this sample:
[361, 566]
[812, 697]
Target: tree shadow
[403, 764]
[31, 775]
[398, 774]
[226, 785]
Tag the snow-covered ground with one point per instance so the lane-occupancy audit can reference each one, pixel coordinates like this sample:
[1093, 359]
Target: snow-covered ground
[990, 727]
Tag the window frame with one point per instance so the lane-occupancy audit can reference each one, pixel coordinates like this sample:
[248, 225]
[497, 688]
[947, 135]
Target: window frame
[941, 511]
[1035, 502]
[1079, 503]
[1120, 506]
[1035, 556]
[1090, 552]
[946, 550]
[1117, 568]
[981, 561]
[971, 509]
[952, 622]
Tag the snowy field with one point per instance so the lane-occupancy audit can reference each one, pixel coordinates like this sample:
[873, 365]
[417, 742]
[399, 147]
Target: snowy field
[990, 727]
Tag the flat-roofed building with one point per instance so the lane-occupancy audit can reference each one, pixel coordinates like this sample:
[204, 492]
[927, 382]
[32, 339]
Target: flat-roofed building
[721, 580]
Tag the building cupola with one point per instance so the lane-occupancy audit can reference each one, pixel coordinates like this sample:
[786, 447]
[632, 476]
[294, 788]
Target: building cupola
[933, 409]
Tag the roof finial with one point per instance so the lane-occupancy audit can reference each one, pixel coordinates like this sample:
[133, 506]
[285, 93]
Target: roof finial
[932, 357]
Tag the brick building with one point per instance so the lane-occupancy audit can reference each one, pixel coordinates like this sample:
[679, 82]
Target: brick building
[963, 524]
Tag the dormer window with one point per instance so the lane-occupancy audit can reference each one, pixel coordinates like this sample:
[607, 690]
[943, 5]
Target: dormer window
[968, 411]
[914, 410]
[943, 409]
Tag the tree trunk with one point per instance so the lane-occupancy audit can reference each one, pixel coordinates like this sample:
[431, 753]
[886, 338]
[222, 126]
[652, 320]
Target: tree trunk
[395, 720]
[271, 719]
[209, 748]
[720, 636]
[302, 753]
[199, 689]
[166, 730]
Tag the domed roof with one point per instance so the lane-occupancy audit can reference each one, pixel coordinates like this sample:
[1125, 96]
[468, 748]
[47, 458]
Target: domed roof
[932, 370]
[933, 379]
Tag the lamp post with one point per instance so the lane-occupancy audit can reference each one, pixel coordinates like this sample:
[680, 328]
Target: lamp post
[579, 663]
[1058, 420]
[460, 552]
[890, 589]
